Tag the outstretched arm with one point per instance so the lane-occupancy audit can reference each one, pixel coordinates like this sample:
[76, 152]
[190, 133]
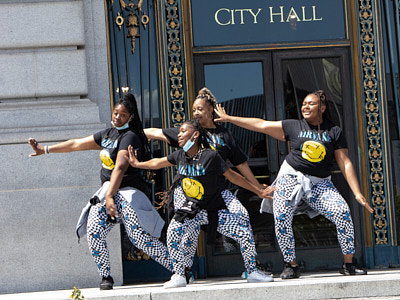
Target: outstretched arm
[153, 164]
[347, 168]
[86, 143]
[245, 170]
[238, 179]
[271, 128]
[155, 134]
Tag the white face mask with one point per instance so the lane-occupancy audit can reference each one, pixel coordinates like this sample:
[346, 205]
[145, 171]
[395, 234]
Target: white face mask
[189, 144]
[122, 127]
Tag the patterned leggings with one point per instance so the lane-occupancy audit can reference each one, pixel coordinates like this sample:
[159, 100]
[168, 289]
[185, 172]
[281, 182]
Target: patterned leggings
[98, 228]
[182, 237]
[325, 199]
[235, 207]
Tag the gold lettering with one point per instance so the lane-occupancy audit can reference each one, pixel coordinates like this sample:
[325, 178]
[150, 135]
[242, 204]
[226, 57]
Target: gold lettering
[292, 15]
[217, 18]
[255, 15]
[241, 14]
[226, 16]
[276, 14]
[314, 14]
[304, 14]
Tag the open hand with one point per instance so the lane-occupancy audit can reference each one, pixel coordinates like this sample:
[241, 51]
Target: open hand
[361, 199]
[39, 150]
[132, 158]
[267, 192]
[222, 115]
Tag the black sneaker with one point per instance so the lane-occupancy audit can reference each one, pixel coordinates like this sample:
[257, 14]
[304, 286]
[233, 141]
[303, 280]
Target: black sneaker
[107, 283]
[290, 272]
[189, 275]
[351, 269]
[263, 268]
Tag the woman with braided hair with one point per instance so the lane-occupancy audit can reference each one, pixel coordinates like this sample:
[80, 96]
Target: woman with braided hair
[315, 143]
[198, 201]
[223, 141]
[123, 196]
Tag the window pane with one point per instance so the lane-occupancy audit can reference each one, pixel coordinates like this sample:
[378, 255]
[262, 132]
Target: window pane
[239, 87]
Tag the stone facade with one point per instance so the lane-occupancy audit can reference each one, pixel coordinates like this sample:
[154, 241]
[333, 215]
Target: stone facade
[54, 85]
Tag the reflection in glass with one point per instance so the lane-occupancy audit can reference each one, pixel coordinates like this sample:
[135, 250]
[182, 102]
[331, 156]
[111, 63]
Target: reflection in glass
[239, 87]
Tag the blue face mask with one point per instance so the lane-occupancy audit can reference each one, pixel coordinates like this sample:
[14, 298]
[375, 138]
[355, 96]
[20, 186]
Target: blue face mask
[126, 126]
[189, 144]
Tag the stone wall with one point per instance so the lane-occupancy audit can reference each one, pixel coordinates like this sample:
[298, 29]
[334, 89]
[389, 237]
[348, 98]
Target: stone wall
[54, 86]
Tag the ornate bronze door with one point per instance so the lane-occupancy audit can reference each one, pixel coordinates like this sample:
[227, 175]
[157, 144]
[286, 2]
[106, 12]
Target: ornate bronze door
[134, 68]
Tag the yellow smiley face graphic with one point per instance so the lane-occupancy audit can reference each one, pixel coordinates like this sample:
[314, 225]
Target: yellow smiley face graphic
[313, 151]
[193, 188]
[106, 160]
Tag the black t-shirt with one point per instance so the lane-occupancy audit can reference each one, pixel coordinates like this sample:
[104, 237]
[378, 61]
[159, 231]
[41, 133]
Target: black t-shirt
[204, 172]
[111, 141]
[220, 138]
[310, 153]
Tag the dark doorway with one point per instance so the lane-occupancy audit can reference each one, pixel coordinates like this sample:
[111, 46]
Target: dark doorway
[272, 85]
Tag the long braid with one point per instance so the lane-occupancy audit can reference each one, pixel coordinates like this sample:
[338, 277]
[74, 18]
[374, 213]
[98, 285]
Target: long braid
[129, 101]
[202, 141]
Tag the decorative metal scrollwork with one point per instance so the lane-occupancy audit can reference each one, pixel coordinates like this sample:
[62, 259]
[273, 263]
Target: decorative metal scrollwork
[119, 20]
[372, 113]
[135, 13]
[175, 54]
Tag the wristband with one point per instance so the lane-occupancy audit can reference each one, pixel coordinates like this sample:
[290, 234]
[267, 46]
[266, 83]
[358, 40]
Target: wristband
[46, 150]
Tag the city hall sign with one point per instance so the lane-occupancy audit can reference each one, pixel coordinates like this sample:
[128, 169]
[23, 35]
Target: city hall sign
[234, 22]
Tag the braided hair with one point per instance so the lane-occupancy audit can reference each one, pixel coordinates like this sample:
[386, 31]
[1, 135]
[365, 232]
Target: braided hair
[207, 95]
[322, 101]
[202, 141]
[135, 124]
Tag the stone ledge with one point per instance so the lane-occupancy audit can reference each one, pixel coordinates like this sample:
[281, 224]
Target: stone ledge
[325, 285]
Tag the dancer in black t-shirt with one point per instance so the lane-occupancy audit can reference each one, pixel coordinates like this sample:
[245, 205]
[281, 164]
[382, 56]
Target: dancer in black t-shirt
[198, 201]
[123, 195]
[314, 144]
[223, 141]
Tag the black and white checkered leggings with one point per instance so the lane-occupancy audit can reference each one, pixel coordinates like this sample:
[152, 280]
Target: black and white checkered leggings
[182, 237]
[98, 228]
[325, 199]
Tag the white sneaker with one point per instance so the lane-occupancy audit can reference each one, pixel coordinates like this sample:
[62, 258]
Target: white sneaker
[176, 281]
[258, 276]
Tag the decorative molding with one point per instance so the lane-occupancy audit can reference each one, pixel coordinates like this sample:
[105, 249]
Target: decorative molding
[135, 13]
[372, 115]
[174, 63]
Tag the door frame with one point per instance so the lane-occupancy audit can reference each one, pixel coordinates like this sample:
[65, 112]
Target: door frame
[331, 257]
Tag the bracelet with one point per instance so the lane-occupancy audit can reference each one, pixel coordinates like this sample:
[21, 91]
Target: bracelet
[46, 150]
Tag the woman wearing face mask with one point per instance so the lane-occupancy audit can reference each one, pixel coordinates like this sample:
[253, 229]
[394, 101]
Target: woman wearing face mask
[220, 139]
[198, 201]
[123, 195]
[315, 143]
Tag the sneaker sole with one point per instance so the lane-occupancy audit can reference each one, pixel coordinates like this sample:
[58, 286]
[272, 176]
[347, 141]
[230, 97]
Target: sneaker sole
[106, 287]
[176, 286]
[259, 281]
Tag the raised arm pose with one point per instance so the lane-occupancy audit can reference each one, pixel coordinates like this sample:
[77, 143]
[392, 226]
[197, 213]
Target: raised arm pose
[198, 201]
[314, 145]
[220, 139]
[123, 189]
